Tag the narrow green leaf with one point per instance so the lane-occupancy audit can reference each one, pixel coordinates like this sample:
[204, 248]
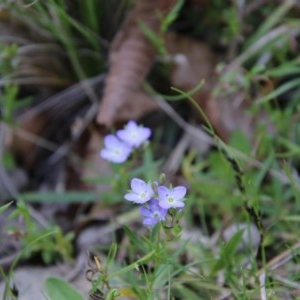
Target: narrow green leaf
[68, 197]
[279, 91]
[4, 207]
[111, 253]
[134, 240]
[179, 97]
[291, 218]
[271, 21]
[227, 251]
[266, 166]
[156, 40]
[132, 266]
[171, 16]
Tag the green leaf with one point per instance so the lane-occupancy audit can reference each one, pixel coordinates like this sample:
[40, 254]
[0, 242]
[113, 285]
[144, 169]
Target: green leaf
[180, 97]
[228, 251]
[162, 275]
[288, 68]
[271, 21]
[4, 207]
[58, 289]
[135, 241]
[171, 16]
[155, 39]
[265, 167]
[279, 91]
[240, 141]
[111, 253]
[132, 266]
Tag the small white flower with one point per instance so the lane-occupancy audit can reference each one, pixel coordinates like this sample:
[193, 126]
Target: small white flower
[141, 192]
[115, 150]
[172, 197]
[133, 134]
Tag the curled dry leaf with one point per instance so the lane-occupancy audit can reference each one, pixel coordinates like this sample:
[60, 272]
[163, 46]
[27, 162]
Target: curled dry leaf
[131, 58]
[228, 113]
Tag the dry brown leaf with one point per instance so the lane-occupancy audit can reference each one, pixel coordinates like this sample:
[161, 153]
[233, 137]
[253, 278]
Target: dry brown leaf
[131, 58]
[229, 108]
[228, 111]
[193, 62]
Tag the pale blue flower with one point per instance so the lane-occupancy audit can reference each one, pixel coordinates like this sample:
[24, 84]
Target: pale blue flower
[141, 192]
[172, 197]
[133, 134]
[153, 213]
[115, 150]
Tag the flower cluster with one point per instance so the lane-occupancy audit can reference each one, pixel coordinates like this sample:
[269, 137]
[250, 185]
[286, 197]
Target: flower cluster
[118, 147]
[156, 199]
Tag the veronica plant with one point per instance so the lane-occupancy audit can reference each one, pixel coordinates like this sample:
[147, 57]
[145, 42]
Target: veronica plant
[157, 200]
[160, 207]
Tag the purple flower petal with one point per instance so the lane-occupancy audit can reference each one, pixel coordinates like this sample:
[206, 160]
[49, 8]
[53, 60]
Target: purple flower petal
[179, 204]
[153, 213]
[169, 198]
[132, 125]
[132, 197]
[150, 222]
[133, 135]
[105, 154]
[141, 192]
[110, 141]
[164, 204]
[163, 192]
[138, 185]
[145, 212]
[179, 192]
[115, 150]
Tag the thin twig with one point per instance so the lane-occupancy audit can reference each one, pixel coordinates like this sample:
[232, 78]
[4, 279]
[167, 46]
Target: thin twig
[192, 130]
[287, 282]
[281, 259]
[175, 158]
[35, 139]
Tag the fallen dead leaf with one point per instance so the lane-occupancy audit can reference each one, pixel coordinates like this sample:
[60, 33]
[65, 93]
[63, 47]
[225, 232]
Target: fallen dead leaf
[226, 111]
[131, 57]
